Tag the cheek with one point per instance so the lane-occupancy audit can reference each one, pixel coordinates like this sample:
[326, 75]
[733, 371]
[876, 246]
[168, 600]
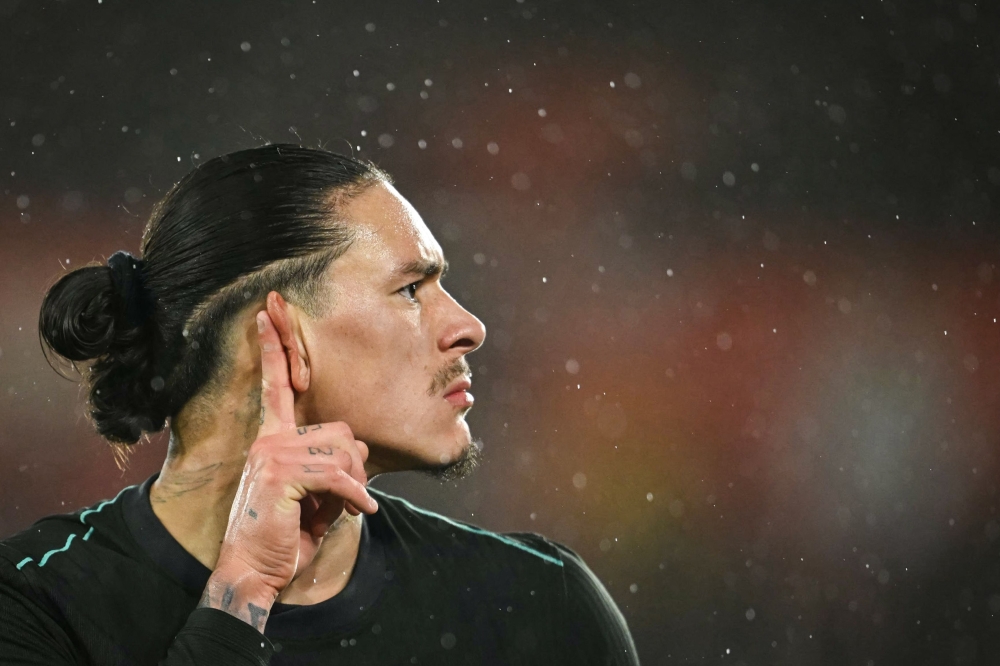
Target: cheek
[369, 362]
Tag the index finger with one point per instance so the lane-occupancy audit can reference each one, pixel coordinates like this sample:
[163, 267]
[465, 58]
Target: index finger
[277, 400]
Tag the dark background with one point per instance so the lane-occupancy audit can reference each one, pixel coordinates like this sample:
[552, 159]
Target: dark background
[737, 263]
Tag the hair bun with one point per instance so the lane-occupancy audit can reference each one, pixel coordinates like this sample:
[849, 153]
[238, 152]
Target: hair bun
[96, 312]
[77, 317]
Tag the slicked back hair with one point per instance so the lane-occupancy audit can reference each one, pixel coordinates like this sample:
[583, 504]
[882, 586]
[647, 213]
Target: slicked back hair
[232, 230]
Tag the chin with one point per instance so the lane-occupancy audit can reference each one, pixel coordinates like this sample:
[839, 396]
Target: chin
[454, 455]
[449, 455]
[457, 465]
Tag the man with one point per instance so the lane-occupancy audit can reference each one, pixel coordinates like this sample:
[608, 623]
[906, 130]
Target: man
[259, 542]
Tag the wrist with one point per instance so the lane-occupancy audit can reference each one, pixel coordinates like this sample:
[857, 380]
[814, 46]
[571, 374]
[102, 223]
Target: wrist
[241, 593]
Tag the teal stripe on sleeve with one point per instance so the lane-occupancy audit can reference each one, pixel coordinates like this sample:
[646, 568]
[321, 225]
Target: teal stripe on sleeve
[45, 558]
[84, 514]
[69, 540]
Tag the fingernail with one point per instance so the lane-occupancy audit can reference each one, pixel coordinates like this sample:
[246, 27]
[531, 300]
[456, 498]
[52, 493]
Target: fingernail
[260, 322]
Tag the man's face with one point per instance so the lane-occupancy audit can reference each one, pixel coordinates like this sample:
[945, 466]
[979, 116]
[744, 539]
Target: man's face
[384, 356]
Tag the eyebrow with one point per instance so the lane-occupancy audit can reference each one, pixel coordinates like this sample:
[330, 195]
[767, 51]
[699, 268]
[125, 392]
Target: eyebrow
[424, 267]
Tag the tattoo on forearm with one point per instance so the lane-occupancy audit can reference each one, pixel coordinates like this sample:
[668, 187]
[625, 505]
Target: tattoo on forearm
[253, 514]
[308, 469]
[256, 615]
[328, 451]
[304, 429]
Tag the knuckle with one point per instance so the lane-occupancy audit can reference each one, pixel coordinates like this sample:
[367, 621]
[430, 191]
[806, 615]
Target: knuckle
[338, 475]
[343, 459]
[262, 447]
[344, 430]
[256, 448]
[268, 471]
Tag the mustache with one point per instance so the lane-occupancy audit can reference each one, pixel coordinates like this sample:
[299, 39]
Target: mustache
[448, 374]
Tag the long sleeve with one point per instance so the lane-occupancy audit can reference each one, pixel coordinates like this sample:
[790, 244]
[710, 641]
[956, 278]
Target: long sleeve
[213, 636]
[28, 635]
[596, 631]
[34, 633]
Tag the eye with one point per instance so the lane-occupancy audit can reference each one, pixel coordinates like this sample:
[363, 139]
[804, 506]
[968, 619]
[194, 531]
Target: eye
[413, 286]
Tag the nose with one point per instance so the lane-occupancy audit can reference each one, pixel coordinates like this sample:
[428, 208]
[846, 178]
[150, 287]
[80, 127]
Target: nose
[464, 330]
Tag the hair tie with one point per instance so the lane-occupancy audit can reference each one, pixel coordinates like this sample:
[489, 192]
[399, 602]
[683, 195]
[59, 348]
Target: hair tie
[127, 278]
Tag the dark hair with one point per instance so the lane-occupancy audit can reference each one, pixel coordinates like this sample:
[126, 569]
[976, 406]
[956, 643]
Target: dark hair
[232, 230]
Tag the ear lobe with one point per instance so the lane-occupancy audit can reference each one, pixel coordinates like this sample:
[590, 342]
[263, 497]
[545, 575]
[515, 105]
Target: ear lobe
[298, 366]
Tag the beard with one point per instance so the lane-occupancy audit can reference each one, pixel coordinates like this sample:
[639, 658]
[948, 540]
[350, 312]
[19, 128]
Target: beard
[459, 468]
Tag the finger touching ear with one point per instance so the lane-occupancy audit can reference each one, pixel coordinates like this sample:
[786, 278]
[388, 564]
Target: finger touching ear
[285, 323]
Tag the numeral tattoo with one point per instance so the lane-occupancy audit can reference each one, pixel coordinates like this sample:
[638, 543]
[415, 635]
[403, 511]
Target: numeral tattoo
[304, 429]
[227, 597]
[328, 451]
[309, 470]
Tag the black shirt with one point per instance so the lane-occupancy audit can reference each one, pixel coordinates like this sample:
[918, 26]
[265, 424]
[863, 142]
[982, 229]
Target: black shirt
[110, 585]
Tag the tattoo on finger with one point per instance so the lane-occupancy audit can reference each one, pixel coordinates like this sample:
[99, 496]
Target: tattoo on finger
[304, 429]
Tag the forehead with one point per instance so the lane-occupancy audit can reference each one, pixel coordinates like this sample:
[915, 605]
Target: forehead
[390, 231]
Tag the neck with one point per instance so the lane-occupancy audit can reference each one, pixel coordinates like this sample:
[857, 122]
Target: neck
[193, 496]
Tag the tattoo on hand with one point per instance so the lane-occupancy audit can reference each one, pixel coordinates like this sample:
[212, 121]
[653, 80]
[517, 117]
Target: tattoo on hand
[328, 451]
[304, 429]
[309, 470]
[227, 597]
[256, 614]
[253, 514]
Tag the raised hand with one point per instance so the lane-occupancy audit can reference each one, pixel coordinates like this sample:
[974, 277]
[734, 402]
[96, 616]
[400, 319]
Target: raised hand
[296, 482]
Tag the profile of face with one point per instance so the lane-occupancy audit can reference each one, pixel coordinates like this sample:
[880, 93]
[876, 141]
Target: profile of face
[393, 343]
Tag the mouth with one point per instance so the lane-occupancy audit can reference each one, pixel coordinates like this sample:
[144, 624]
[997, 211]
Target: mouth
[458, 394]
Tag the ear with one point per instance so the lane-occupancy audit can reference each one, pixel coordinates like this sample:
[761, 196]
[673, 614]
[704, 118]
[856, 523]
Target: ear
[284, 322]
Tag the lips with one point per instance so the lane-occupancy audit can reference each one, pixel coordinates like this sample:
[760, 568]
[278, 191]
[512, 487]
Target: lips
[460, 384]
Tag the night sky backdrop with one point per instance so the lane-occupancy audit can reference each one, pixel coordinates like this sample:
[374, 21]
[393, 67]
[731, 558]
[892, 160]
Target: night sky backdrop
[737, 262]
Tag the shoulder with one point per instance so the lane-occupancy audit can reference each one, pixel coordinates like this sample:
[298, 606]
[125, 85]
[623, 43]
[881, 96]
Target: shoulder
[588, 626]
[60, 541]
[423, 528]
[594, 624]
